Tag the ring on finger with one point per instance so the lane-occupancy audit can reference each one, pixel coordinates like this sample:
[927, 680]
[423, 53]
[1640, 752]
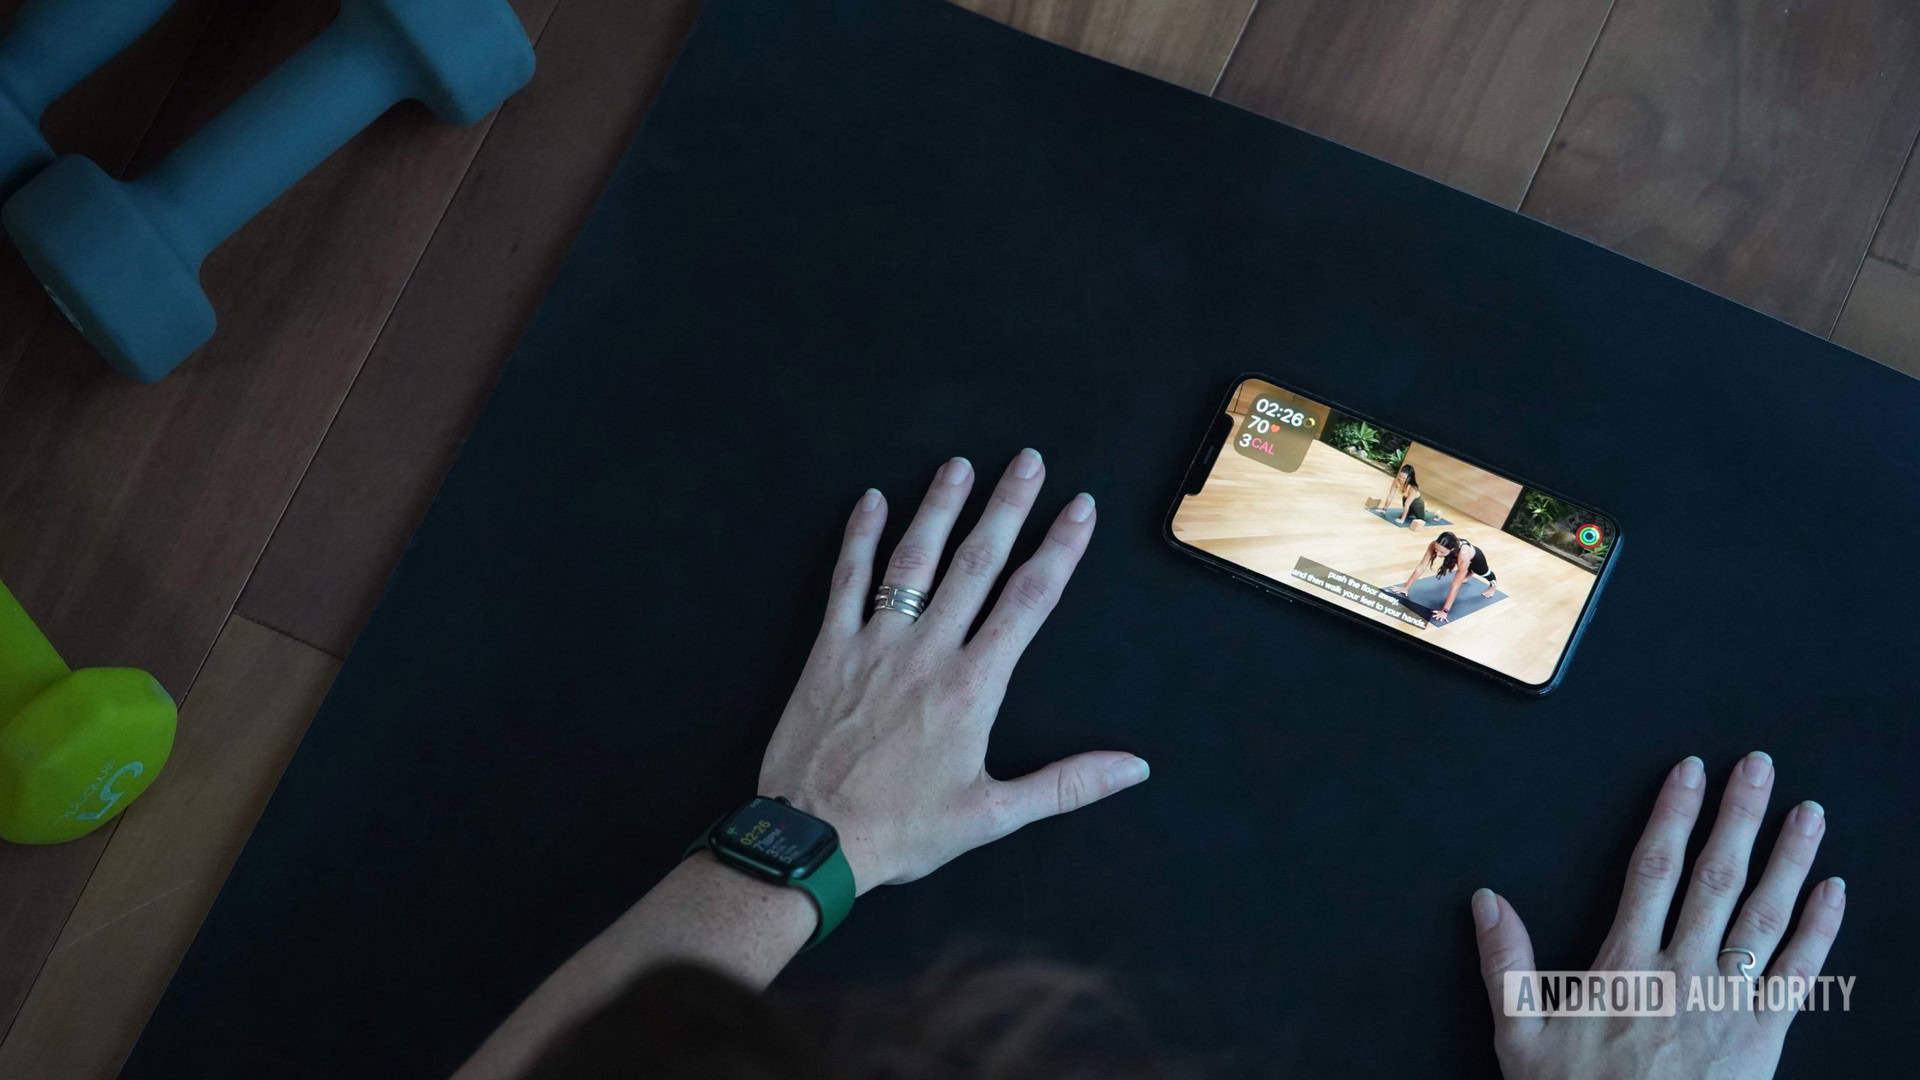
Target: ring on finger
[908, 602]
[1749, 966]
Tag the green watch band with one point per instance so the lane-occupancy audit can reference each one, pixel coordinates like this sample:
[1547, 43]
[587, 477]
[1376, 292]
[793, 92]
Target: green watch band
[826, 879]
[831, 890]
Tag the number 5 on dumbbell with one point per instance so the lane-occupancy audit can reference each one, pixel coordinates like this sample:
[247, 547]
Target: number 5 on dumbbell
[122, 259]
[75, 746]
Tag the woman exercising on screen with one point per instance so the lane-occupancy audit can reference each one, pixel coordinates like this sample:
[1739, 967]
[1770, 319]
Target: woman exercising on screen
[1407, 486]
[1457, 557]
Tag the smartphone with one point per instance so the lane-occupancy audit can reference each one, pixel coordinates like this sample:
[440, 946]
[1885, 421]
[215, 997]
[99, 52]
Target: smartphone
[1360, 517]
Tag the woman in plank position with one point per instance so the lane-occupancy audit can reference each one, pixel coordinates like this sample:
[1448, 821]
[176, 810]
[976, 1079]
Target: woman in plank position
[1406, 485]
[1457, 557]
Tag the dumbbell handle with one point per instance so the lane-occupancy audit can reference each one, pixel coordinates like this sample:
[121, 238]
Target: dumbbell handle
[279, 130]
[28, 663]
[50, 45]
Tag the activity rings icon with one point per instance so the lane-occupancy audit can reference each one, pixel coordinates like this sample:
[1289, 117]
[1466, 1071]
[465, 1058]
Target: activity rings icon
[1589, 536]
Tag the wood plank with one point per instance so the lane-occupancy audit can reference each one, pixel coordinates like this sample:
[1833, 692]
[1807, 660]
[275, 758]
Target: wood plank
[103, 118]
[134, 514]
[498, 248]
[170, 855]
[1181, 41]
[1748, 146]
[1465, 91]
[38, 888]
[1882, 317]
[1898, 240]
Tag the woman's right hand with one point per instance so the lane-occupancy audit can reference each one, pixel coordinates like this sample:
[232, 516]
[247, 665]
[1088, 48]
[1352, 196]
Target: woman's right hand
[885, 736]
[1739, 1044]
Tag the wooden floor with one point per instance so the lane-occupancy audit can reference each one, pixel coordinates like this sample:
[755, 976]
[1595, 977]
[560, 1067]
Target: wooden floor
[230, 528]
[1266, 520]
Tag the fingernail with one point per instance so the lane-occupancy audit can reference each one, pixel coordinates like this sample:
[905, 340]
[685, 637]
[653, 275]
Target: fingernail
[871, 500]
[1081, 508]
[1836, 892]
[1692, 772]
[1126, 773]
[1027, 465]
[956, 471]
[1486, 909]
[1757, 767]
[1812, 814]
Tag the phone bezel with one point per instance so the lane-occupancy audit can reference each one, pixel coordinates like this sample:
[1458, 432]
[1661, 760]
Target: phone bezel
[1291, 593]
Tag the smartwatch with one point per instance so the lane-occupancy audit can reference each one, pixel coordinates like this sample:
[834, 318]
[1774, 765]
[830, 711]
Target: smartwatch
[769, 839]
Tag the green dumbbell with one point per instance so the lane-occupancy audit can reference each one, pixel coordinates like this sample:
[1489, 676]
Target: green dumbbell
[75, 746]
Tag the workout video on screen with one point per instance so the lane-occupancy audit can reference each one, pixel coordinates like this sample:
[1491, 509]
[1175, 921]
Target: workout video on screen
[1397, 531]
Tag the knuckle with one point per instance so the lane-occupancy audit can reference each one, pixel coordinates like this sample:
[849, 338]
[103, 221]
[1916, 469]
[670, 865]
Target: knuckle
[1013, 499]
[1740, 813]
[1795, 968]
[1498, 962]
[975, 559]
[1719, 876]
[911, 556]
[1074, 789]
[1680, 810]
[1031, 592]
[845, 576]
[1765, 917]
[1654, 866]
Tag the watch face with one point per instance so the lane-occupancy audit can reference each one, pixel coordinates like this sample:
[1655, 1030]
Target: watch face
[775, 839]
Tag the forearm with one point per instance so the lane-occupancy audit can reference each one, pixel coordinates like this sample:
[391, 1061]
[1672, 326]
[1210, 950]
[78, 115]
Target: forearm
[1458, 580]
[701, 911]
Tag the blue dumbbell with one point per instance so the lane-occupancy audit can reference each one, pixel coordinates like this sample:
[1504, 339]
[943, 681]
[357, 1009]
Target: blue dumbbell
[45, 50]
[122, 259]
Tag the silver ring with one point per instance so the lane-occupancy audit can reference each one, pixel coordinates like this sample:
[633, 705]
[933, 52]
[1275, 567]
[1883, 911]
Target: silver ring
[908, 602]
[1746, 969]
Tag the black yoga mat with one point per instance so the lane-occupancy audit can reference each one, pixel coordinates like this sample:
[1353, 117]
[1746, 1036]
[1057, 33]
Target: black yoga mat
[859, 236]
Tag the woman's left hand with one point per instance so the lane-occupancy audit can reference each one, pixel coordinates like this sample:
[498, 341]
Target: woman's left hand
[885, 737]
[1713, 937]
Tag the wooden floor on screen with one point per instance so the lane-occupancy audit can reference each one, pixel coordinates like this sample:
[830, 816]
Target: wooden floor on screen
[1267, 520]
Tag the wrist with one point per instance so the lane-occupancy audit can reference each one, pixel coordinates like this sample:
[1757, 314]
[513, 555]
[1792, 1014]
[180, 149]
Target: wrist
[783, 918]
[858, 841]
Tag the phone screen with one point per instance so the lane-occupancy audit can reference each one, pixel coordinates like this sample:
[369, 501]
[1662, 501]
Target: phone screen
[1376, 522]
